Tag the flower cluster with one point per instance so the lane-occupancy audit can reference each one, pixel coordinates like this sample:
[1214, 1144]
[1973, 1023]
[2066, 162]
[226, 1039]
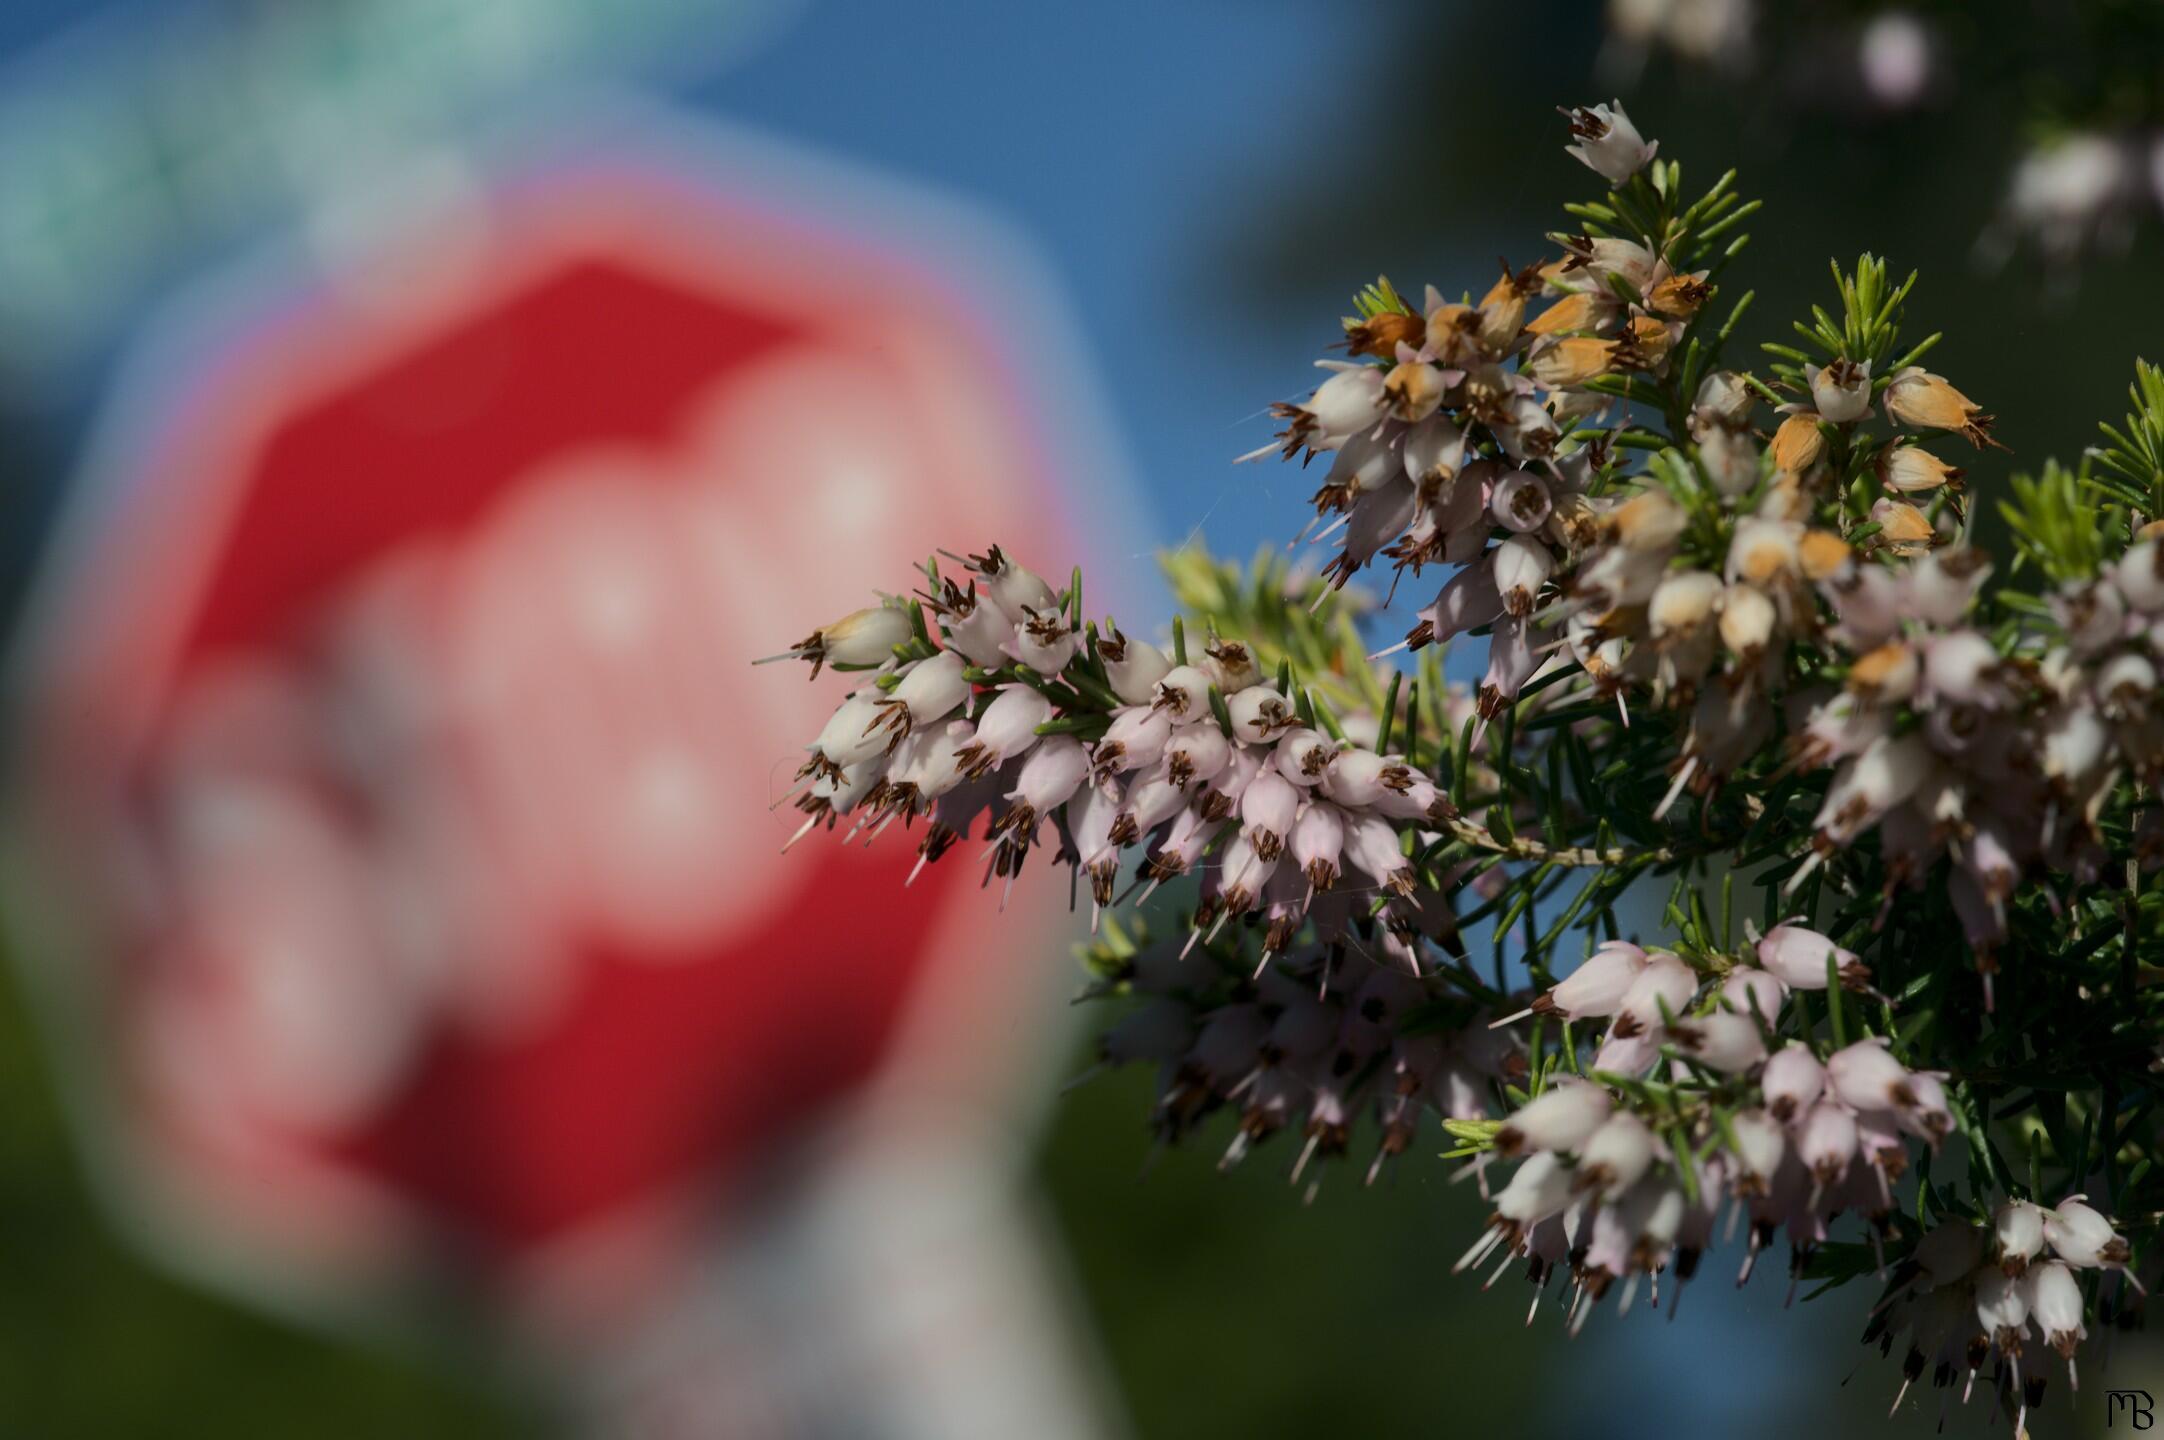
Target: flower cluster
[1973, 1294]
[1740, 637]
[1335, 1034]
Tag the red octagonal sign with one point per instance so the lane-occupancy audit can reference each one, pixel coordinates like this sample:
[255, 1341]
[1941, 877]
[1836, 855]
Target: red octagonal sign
[393, 798]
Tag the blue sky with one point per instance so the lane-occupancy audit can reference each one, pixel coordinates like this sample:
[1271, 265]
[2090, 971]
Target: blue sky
[1122, 139]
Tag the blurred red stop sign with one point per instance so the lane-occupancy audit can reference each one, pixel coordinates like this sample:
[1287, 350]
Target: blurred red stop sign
[396, 781]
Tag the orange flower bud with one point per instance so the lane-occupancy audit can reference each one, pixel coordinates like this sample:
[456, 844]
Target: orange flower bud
[1571, 361]
[1798, 444]
[1380, 335]
[1919, 398]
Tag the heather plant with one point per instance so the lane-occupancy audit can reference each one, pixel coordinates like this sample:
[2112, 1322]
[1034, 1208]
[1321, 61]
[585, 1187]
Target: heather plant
[1783, 881]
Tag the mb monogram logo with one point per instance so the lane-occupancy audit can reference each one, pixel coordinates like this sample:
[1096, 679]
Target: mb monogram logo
[2134, 1404]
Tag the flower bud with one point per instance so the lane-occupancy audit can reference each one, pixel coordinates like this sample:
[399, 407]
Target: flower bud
[938, 767]
[1758, 1145]
[1043, 640]
[1841, 392]
[851, 733]
[2125, 684]
[1597, 987]
[1562, 1117]
[2002, 1309]
[1632, 1054]
[1572, 360]
[1054, 770]
[1723, 398]
[1615, 1156]
[1135, 740]
[1413, 390]
[1887, 772]
[1747, 621]
[1747, 989]
[1682, 603]
[1865, 1076]
[1008, 729]
[1885, 675]
[2054, 1300]
[1580, 312]
[1902, 528]
[1011, 587]
[1359, 778]
[1942, 585]
[1259, 713]
[1190, 835]
[1267, 809]
[1433, 451]
[1927, 1115]
[1230, 666]
[1792, 1082]
[1150, 801]
[1245, 871]
[1372, 844]
[1913, 470]
[1606, 141]
[1421, 799]
[862, 638]
[1664, 982]
[2140, 576]
[1184, 692]
[1318, 839]
[931, 688]
[1521, 502]
[1826, 1141]
[1522, 566]
[2076, 743]
[2091, 613]
[1349, 401]
[1962, 666]
[1302, 756]
[1722, 1041]
[1798, 958]
[1921, 399]
[1133, 667]
[1381, 334]
[1539, 1188]
[1731, 459]
[2017, 1235]
[1798, 444]
[1196, 754]
[2081, 1237]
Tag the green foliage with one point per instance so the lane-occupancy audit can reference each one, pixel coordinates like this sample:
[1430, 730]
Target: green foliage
[1292, 620]
[1868, 330]
[2057, 523]
[1380, 298]
[2133, 463]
